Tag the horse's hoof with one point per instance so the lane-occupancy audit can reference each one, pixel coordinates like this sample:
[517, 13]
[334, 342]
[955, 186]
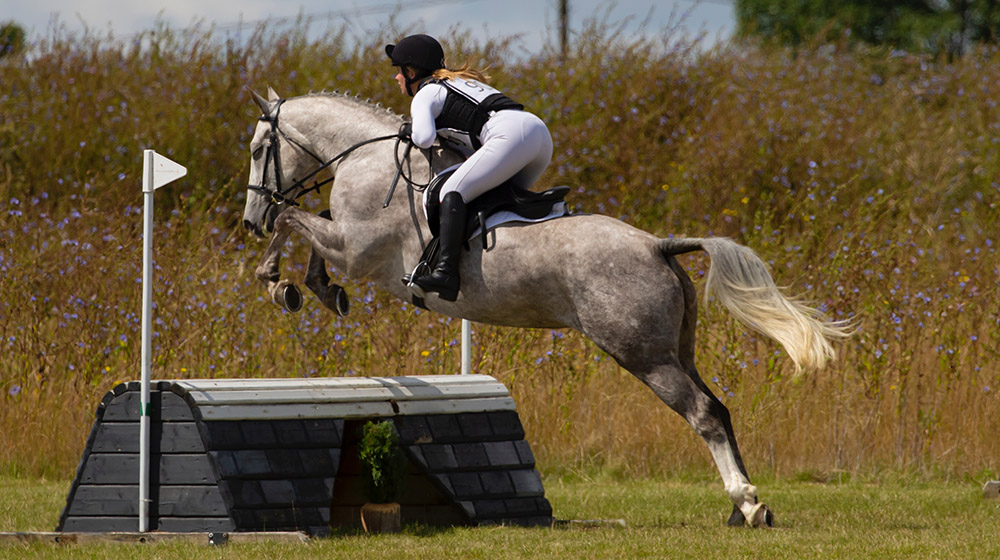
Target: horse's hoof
[339, 302]
[291, 298]
[288, 296]
[760, 516]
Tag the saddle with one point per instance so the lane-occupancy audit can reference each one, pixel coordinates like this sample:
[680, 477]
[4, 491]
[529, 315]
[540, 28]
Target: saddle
[508, 197]
[521, 205]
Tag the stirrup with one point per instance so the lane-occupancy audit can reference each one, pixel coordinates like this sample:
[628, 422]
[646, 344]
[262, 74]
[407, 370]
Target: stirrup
[442, 286]
[422, 269]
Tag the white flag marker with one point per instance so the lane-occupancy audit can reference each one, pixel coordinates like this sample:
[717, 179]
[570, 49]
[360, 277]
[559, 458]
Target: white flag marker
[156, 172]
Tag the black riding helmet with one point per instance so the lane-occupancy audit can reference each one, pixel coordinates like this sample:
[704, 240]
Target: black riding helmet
[421, 52]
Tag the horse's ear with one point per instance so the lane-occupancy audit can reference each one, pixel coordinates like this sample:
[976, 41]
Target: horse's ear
[265, 107]
[271, 95]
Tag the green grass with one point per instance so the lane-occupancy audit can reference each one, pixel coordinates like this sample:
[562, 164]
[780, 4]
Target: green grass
[670, 518]
[31, 504]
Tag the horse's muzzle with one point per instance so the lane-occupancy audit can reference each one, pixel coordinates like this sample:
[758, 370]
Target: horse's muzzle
[265, 226]
[253, 228]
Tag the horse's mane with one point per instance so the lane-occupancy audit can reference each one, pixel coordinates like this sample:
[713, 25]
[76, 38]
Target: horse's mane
[375, 108]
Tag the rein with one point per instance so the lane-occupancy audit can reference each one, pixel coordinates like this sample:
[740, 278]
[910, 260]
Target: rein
[279, 196]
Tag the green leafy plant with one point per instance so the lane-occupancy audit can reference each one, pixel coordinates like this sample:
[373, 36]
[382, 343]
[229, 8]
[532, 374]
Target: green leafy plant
[382, 461]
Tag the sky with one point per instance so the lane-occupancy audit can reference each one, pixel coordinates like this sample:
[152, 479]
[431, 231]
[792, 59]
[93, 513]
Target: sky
[535, 21]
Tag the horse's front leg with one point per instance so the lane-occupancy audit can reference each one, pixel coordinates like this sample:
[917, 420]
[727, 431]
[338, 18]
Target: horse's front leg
[319, 234]
[282, 292]
[331, 295]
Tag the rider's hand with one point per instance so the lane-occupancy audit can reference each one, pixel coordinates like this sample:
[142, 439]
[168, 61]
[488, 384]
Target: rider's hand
[406, 130]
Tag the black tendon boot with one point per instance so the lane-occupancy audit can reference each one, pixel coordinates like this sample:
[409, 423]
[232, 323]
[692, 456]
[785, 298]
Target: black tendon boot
[444, 278]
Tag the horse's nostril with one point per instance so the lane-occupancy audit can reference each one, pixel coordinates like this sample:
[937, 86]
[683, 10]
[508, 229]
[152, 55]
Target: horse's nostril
[253, 228]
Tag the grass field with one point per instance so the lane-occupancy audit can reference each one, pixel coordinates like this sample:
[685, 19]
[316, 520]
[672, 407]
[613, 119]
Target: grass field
[665, 518]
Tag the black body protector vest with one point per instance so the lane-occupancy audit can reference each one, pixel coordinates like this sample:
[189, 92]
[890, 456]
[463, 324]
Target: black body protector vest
[467, 107]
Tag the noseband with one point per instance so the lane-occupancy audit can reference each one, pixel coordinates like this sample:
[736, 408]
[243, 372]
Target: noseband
[279, 195]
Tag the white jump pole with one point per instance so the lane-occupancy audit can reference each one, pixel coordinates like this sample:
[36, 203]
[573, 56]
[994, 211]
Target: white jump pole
[466, 347]
[156, 172]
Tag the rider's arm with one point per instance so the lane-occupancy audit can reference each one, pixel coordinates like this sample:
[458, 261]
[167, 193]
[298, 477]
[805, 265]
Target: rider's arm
[426, 106]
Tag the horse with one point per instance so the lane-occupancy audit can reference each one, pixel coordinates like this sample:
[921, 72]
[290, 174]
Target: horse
[620, 286]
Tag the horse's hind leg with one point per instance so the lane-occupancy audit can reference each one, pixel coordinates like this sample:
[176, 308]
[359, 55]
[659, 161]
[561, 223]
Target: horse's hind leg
[715, 414]
[710, 419]
[333, 296]
[729, 460]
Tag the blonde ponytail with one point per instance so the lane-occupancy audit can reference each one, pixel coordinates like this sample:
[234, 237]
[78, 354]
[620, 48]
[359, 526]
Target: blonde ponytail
[466, 72]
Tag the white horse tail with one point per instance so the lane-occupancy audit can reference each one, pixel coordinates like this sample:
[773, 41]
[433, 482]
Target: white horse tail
[742, 283]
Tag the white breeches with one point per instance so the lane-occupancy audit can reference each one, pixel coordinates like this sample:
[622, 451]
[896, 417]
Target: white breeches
[516, 145]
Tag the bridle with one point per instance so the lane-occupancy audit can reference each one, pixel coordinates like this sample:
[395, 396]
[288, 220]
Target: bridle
[279, 195]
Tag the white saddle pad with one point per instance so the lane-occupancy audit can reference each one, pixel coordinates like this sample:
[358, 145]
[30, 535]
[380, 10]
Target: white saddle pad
[506, 217]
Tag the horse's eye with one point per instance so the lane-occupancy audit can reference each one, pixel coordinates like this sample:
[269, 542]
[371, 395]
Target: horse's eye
[258, 152]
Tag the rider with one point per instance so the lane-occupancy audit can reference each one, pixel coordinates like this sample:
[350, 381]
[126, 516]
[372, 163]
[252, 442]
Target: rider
[505, 142]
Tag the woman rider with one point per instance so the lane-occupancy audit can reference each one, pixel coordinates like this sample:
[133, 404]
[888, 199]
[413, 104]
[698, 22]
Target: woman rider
[505, 142]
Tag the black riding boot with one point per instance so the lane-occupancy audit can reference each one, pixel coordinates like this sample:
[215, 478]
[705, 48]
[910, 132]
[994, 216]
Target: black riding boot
[444, 278]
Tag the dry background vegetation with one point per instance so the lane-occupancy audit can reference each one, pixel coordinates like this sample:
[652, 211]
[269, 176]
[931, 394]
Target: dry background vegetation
[866, 178]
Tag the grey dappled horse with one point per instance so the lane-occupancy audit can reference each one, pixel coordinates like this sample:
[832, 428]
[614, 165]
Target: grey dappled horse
[618, 285]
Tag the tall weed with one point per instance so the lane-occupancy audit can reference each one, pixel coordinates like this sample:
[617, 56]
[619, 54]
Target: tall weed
[865, 178]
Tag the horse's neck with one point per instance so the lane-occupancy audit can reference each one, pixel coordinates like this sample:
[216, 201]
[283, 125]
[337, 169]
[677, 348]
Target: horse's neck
[340, 122]
[336, 125]
[377, 237]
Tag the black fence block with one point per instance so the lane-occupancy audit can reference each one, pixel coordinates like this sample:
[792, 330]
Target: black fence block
[475, 426]
[506, 425]
[444, 428]
[438, 457]
[165, 437]
[502, 454]
[261, 473]
[413, 429]
[496, 483]
[470, 455]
